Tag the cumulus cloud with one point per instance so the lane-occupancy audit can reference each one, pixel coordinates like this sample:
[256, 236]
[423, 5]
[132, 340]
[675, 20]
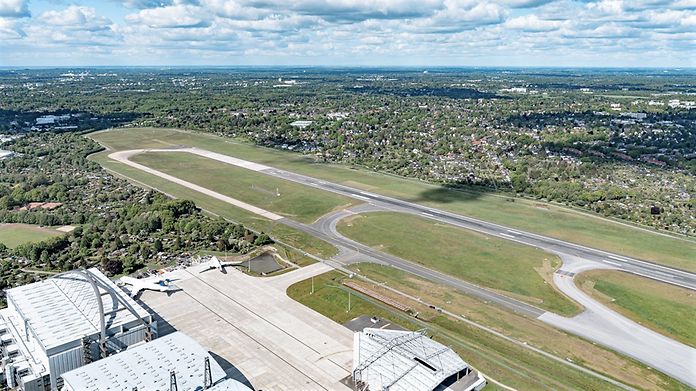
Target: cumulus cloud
[463, 15]
[142, 4]
[76, 18]
[532, 23]
[10, 29]
[175, 16]
[525, 3]
[342, 30]
[14, 8]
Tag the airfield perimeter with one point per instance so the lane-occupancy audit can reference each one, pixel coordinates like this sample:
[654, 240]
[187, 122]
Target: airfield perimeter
[596, 323]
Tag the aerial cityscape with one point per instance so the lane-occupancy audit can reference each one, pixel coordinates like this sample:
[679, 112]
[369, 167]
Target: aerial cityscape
[450, 195]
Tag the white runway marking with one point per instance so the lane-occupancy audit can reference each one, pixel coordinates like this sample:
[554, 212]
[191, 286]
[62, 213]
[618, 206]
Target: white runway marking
[506, 235]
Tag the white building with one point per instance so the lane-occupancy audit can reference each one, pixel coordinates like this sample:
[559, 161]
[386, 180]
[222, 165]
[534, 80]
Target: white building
[173, 362]
[4, 154]
[408, 361]
[64, 322]
[300, 124]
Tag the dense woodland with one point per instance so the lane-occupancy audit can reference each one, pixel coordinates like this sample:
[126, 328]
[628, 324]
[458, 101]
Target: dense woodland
[119, 226]
[619, 143]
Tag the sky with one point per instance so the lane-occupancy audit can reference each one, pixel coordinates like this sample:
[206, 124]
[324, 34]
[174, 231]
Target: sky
[526, 33]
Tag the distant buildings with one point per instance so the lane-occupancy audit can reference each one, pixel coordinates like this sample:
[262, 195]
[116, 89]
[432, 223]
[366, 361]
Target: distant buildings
[408, 361]
[51, 119]
[4, 154]
[301, 124]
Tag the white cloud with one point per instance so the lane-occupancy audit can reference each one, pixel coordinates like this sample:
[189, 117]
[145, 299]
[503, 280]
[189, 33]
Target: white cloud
[14, 8]
[175, 16]
[345, 30]
[76, 18]
[10, 29]
[533, 23]
[353, 10]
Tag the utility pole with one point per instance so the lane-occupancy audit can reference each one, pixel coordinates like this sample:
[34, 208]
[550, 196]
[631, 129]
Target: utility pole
[312, 291]
[348, 301]
[207, 375]
[172, 381]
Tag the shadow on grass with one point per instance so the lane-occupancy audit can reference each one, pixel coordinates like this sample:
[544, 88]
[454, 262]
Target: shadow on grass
[453, 192]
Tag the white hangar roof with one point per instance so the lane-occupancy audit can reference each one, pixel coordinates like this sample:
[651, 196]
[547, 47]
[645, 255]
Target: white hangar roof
[148, 367]
[402, 360]
[63, 309]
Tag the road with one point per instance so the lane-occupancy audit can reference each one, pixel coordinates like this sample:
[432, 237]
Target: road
[597, 322]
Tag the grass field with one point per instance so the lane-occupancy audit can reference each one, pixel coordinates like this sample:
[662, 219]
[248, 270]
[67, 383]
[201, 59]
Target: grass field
[524, 271]
[665, 308]
[529, 215]
[501, 360]
[12, 235]
[278, 231]
[532, 331]
[289, 199]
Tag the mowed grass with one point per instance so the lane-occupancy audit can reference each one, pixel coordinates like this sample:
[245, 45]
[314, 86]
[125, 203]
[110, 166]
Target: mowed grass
[530, 215]
[214, 206]
[533, 331]
[524, 271]
[665, 308]
[12, 235]
[498, 359]
[289, 199]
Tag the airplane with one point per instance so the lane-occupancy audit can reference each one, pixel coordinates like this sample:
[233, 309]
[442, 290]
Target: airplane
[215, 263]
[153, 284]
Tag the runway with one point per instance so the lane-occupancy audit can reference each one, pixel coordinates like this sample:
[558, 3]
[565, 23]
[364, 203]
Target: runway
[597, 322]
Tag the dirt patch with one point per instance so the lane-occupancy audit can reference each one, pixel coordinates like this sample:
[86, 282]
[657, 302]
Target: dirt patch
[348, 221]
[41, 205]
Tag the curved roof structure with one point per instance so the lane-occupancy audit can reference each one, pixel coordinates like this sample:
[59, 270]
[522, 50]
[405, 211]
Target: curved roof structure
[398, 360]
[69, 306]
[149, 366]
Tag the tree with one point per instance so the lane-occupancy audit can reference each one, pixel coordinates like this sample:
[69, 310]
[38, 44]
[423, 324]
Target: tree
[113, 267]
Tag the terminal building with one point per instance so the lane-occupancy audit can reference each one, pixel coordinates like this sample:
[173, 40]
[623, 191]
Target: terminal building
[397, 360]
[64, 322]
[170, 363]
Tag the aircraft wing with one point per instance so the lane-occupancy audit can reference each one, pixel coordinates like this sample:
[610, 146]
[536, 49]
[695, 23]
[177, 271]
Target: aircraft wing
[129, 280]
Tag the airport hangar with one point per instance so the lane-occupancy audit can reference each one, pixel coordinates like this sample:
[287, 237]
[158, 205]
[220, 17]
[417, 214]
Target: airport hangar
[53, 330]
[61, 323]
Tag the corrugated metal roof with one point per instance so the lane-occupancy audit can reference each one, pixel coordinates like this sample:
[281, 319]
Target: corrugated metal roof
[64, 308]
[148, 366]
[402, 360]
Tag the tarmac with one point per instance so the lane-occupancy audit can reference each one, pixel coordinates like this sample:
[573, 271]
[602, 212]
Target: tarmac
[270, 341]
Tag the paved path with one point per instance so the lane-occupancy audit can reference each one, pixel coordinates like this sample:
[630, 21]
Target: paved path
[283, 281]
[597, 323]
